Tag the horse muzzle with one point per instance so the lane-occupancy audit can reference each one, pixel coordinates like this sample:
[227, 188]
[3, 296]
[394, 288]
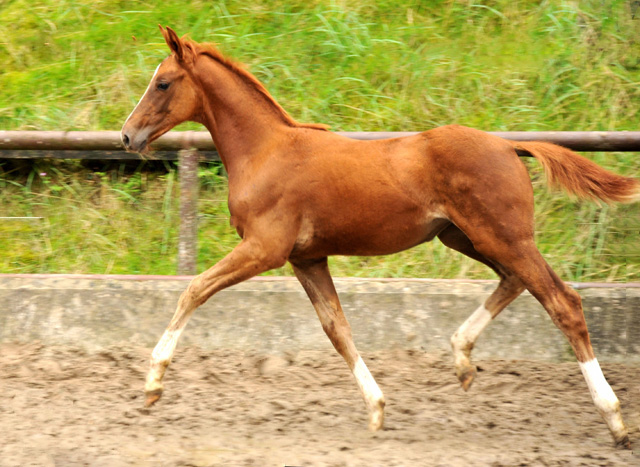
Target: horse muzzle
[135, 141]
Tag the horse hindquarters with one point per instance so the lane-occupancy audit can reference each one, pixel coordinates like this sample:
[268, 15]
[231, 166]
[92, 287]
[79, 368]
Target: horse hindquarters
[494, 210]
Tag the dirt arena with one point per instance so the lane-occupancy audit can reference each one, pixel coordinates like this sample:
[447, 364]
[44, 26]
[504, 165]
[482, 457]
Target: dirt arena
[64, 407]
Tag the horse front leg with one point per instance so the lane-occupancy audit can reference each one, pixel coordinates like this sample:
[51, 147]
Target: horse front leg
[245, 261]
[316, 280]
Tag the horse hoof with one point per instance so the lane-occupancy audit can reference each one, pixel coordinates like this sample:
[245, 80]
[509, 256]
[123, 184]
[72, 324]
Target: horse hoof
[152, 397]
[376, 421]
[376, 415]
[466, 377]
[623, 443]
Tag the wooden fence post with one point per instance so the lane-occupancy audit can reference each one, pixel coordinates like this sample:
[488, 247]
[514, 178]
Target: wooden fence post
[188, 236]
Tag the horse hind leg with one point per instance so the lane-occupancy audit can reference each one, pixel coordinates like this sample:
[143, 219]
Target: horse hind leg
[498, 219]
[564, 306]
[316, 280]
[464, 339]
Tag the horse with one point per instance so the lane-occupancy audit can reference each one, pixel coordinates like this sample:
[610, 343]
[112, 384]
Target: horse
[300, 193]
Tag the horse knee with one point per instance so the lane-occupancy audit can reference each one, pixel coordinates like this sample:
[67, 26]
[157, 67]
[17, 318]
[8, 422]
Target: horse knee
[189, 298]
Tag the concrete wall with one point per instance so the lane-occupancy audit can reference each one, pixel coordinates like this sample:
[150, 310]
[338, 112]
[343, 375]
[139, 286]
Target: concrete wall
[274, 314]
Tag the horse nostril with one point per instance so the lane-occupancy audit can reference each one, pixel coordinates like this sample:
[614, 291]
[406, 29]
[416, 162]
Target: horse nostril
[125, 140]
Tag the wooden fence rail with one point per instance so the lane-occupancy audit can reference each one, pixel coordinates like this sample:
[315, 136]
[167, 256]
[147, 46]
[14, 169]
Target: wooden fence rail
[188, 147]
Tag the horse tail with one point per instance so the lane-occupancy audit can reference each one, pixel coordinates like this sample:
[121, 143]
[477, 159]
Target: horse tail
[578, 175]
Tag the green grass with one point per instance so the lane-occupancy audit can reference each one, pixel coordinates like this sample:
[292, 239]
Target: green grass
[357, 66]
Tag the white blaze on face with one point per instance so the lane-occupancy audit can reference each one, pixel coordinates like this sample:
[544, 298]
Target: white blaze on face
[604, 398]
[145, 93]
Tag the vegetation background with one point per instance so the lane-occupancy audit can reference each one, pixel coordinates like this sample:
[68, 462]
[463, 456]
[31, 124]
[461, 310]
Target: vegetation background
[358, 65]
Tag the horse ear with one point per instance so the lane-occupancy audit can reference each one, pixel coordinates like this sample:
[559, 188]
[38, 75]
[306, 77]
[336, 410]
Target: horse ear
[174, 42]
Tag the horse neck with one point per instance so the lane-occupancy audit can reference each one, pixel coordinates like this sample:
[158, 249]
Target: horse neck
[239, 117]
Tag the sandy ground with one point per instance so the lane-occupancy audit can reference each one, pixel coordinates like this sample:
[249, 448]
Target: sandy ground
[61, 406]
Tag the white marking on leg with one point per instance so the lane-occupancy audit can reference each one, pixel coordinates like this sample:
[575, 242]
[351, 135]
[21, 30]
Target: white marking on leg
[166, 345]
[465, 337]
[372, 394]
[160, 359]
[604, 398]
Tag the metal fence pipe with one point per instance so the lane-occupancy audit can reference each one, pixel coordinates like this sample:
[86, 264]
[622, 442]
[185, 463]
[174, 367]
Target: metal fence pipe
[188, 146]
[176, 140]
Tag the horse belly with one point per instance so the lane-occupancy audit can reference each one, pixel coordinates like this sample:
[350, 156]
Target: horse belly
[364, 238]
[391, 238]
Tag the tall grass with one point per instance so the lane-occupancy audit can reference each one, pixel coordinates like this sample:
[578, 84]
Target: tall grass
[361, 65]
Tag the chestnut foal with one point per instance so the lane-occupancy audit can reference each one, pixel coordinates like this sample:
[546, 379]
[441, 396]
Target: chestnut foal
[299, 193]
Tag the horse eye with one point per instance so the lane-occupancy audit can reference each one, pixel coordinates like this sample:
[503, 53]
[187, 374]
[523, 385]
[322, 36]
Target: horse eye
[163, 86]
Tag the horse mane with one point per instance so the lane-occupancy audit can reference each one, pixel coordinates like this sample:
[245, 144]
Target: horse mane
[211, 51]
